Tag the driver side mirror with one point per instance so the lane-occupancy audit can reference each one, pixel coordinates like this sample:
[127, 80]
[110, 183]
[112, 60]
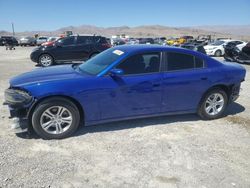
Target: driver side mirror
[116, 72]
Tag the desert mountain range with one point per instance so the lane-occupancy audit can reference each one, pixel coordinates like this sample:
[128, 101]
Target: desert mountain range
[239, 32]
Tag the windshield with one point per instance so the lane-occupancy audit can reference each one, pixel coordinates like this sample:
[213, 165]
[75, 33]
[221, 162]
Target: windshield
[101, 61]
[217, 43]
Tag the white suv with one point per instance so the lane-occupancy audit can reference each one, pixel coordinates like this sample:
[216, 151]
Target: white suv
[217, 48]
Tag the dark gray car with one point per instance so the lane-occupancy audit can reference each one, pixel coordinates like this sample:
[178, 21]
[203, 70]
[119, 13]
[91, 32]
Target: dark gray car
[27, 41]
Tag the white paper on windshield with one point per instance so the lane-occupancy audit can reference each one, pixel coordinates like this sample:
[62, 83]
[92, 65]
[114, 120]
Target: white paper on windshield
[118, 52]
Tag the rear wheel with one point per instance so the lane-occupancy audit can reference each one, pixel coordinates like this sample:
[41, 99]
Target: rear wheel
[213, 104]
[55, 118]
[218, 53]
[45, 60]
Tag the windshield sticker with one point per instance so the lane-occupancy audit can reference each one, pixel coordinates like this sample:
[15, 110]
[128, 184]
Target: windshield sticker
[118, 52]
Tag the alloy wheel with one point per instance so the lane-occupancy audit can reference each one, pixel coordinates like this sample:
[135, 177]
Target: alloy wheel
[214, 104]
[56, 120]
[45, 60]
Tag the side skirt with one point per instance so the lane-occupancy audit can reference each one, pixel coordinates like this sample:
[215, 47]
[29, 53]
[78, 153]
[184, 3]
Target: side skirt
[89, 123]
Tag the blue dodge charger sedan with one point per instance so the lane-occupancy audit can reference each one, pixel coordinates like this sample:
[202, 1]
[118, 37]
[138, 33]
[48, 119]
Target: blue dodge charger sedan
[121, 83]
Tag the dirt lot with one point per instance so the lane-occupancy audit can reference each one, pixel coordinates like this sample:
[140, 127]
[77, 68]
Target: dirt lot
[173, 151]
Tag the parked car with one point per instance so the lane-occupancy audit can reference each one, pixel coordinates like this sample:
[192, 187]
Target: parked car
[171, 41]
[132, 41]
[50, 41]
[244, 54]
[124, 82]
[184, 39]
[231, 51]
[73, 48]
[30, 41]
[160, 40]
[216, 48]
[204, 39]
[8, 40]
[239, 44]
[195, 47]
[118, 41]
[41, 40]
[146, 41]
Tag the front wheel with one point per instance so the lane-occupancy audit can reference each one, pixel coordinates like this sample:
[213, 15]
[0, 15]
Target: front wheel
[45, 60]
[55, 118]
[213, 104]
[218, 53]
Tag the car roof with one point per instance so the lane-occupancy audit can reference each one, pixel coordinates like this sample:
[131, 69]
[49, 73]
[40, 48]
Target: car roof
[142, 48]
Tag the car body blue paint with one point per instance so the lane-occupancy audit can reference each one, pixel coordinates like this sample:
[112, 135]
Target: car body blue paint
[107, 98]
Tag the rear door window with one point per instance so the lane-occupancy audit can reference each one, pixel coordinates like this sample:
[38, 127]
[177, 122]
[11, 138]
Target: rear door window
[67, 41]
[181, 61]
[84, 40]
[101, 40]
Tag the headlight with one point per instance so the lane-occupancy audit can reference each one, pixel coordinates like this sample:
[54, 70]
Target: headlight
[16, 97]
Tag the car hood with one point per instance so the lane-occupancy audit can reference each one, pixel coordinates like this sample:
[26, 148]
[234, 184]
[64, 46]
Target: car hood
[40, 75]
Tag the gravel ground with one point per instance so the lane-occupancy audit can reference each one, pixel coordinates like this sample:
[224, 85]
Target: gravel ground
[172, 151]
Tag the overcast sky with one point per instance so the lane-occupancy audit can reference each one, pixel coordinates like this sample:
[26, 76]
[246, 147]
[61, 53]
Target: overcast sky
[30, 15]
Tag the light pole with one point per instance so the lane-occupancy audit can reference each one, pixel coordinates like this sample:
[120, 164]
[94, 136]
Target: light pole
[13, 30]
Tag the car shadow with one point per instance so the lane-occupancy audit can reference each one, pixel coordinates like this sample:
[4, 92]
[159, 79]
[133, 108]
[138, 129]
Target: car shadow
[233, 108]
[134, 123]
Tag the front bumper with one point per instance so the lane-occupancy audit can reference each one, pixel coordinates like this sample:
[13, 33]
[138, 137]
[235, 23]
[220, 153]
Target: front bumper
[20, 117]
[19, 110]
[210, 52]
[34, 56]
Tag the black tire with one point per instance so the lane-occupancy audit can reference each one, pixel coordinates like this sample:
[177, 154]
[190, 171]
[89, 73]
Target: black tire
[49, 104]
[217, 53]
[44, 64]
[202, 112]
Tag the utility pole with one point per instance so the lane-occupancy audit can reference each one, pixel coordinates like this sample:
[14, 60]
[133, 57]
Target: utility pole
[13, 30]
